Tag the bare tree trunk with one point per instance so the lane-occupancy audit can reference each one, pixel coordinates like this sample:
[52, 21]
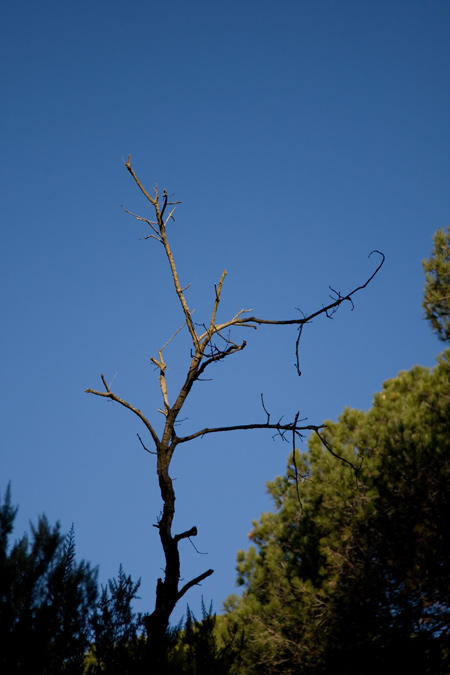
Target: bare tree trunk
[167, 592]
[213, 345]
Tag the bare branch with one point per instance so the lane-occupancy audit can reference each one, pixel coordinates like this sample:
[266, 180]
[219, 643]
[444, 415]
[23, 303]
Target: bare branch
[109, 394]
[184, 535]
[174, 335]
[162, 380]
[329, 447]
[219, 356]
[196, 549]
[297, 345]
[167, 203]
[165, 197]
[236, 321]
[264, 408]
[145, 220]
[170, 216]
[217, 301]
[194, 582]
[141, 187]
[295, 465]
[152, 452]
[244, 427]
[179, 291]
[249, 321]
[104, 382]
[310, 317]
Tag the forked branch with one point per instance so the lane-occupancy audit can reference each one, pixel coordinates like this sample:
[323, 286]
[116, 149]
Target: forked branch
[241, 319]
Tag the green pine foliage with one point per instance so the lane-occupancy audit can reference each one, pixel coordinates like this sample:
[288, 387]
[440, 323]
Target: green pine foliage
[52, 619]
[355, 578]
[45, 599]
[118, 646]
[437, 285]
[203, 647]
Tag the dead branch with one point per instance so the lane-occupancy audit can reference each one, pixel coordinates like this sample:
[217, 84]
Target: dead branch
[281, 428]
[264, 408]
[109, 394]
[324, 310]
[153, 201]
[145, 220]
[329, 447]
[206, 350]
[152, 452]
[184, 535]
[295, 462]
[194, 582]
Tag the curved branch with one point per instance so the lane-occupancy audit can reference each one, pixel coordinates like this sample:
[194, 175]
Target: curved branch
[324, 310]
[331, 451]
[194, 582]
[109, 394]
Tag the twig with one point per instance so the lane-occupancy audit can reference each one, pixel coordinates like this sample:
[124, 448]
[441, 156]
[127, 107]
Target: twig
[152, 452]
[264, 408]
[295, 463]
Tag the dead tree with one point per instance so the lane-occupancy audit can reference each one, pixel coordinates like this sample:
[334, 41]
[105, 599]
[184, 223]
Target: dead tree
[212, 345]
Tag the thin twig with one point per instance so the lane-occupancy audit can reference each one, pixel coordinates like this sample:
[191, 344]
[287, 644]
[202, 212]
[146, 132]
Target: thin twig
[295, 463]
[152, 452]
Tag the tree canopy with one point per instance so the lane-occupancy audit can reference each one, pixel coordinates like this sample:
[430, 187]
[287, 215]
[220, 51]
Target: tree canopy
[437, 285]
[54, 620]
[45, 599]
[51, 612]
[351, 571]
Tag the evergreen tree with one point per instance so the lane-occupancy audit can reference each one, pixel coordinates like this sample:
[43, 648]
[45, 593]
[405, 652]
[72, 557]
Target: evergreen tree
[355, 576]
[53, 621]
[118, 646]
[45, 599]
[437, 285]
[203, 647]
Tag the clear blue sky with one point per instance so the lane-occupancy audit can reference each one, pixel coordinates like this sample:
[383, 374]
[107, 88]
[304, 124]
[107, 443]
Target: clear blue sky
[299, 136]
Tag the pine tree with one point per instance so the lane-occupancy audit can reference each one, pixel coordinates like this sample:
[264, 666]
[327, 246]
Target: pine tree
[437, 285]
[118, 646]
[351, 572]
[45, 599]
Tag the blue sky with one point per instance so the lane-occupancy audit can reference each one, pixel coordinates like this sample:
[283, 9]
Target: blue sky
[299, 136]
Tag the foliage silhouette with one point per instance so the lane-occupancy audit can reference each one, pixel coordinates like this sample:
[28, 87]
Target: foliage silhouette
[54, 621]
[118, 646]
[45, 599]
